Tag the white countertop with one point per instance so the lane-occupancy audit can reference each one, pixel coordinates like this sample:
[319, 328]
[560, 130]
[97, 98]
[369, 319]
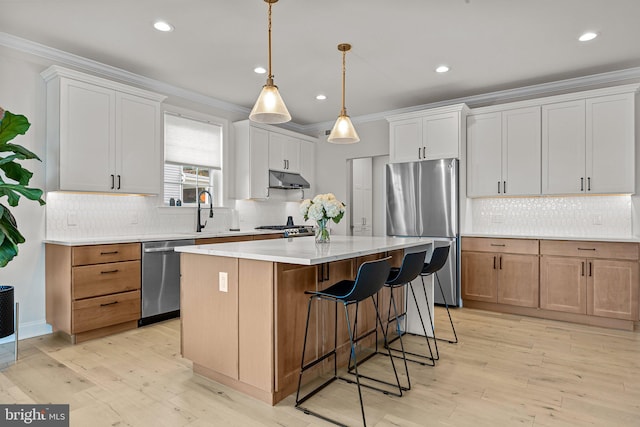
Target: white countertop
[156, 237]
[304, 250]
[630, 239]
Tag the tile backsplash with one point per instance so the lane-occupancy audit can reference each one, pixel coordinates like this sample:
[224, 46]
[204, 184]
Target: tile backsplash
[580, 216]
[79, 216]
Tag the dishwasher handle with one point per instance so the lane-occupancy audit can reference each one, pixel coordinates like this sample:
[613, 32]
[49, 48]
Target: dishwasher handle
[158, 250]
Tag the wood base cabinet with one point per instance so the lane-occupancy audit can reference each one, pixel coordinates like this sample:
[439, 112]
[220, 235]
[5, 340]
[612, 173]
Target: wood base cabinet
[503, 271]
[93, 291]
[602, 282]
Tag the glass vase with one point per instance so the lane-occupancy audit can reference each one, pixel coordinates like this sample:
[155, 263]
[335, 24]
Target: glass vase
[322, 231]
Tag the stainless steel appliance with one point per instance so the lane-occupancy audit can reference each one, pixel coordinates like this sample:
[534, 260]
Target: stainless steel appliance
[290, 230]
[422, 200]
[161, 280]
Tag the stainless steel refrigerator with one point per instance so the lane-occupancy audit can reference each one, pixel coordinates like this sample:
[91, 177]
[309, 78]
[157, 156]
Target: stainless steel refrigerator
[422, 200]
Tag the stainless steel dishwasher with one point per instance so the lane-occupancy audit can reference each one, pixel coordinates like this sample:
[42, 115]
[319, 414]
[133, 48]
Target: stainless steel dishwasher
[161, 280]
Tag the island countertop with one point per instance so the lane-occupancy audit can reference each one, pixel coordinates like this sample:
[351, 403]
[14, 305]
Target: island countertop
[304, 251]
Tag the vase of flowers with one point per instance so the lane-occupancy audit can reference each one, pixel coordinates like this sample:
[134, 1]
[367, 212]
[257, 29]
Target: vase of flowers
[322, 208]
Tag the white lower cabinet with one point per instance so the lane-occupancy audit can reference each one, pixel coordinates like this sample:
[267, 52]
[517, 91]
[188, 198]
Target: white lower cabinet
[102, 136]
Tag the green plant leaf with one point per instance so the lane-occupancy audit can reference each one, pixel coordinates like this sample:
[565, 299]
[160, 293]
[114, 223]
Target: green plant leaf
[8, 159]
[11, 126]
[16, 172]
[10, 191]
[11, 237]
[19, 151]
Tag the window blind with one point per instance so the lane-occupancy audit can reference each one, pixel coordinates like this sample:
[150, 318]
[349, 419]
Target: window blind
[192, 142]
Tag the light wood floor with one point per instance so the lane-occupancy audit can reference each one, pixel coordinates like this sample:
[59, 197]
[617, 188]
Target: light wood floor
[506, 370]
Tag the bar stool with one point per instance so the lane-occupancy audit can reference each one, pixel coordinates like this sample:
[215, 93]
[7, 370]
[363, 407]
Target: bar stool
[438, 260]
[412, 266]
[369, 280]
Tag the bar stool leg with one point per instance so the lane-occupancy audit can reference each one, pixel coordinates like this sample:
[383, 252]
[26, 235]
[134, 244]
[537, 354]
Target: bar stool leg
[355, 362]
[446, 305]
[424, 329]
[392, 300]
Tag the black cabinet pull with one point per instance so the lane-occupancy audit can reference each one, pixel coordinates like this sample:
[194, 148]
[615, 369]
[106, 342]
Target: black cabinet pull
[108, 253]
[109, 271]
[500, 262]
[498, 187]
[108, 303]
[419, 158]
[581, 184]
[494, 263]
[497, 244]
[588, 183]
[113, 182]
[118, 182]
[424, 152]
[504, 187]
[590, 272]
[586, 249]
[582, 268]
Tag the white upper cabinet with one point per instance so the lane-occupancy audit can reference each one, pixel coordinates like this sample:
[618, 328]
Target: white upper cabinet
[260, 148]
[102, 136]
[252, 161]
[284, 153]
[588, 145]
[426, 135]
[503, 150]
[610, 142]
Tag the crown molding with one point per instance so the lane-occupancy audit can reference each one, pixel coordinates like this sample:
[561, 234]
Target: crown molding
[498, 97]
[107, 71]
[313, 129]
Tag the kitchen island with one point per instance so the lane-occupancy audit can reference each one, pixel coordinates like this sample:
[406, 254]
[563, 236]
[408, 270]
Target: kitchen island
[243, 306]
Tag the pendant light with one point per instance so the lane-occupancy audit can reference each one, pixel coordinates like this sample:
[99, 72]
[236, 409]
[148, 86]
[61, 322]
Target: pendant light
[343, 131]
[269, 107]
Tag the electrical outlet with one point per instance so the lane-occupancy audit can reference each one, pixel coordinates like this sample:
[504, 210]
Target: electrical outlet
[223, 283]
[72, 219]
[497, 218]
[596, 219]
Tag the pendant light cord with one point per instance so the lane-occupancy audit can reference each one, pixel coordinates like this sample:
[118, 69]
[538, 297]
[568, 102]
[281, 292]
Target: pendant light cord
[270, 77]
[343, 112]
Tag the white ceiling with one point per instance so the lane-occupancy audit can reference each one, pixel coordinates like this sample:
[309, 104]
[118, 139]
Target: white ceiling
[490, 45]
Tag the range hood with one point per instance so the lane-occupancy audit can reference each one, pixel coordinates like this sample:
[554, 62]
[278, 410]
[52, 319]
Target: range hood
[287, 180]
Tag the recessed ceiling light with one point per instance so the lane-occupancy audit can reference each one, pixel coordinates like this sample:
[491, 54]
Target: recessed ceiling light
[442, 69]
[163, 26]
[259, 70]
[321, 97]
[587, 36]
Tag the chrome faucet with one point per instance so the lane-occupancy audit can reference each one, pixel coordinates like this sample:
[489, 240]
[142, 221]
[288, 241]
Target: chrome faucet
[200, 226]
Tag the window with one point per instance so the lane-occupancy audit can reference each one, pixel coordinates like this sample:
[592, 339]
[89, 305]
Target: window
[192, 159]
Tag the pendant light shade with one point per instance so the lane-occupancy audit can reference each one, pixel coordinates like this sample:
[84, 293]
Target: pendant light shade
[270, 108]
[343, 131]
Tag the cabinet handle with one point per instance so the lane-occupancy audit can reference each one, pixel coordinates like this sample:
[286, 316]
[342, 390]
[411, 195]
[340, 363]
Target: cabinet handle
[590, 266]
[109, 303]
[419, 157]
[588, 183]
[581, 184]
[424, 152]
[498, 244]
[118, 182]
[582, 268]
[109, 271]
[113, 182]
[108, 253]
[504, 187]
[586, 249]
[498, 187]
[494, 262]
[501, 262]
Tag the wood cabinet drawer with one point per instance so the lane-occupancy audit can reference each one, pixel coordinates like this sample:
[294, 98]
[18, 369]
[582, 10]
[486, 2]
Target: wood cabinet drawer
[513, 246]
[94, 313]
[100, 254]
[226, 239]
[574, 248]
[104, 279]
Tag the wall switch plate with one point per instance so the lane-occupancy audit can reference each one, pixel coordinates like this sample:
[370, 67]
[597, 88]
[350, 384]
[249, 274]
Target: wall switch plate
[223, 283]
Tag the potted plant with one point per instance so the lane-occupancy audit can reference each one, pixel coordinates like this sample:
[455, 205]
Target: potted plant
[14, 181]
